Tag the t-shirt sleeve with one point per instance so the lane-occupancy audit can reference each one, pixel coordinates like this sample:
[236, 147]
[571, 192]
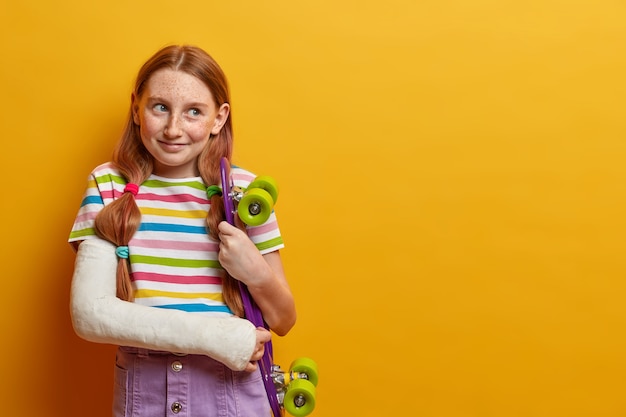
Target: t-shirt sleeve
[104, 184]
[266, 236]
[90, 205]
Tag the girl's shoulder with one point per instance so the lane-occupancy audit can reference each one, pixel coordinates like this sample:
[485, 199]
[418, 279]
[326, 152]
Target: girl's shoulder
[107, 177]
[107, 168]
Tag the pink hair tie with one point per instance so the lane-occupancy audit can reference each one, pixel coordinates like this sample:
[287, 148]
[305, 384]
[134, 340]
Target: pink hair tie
[131, 188]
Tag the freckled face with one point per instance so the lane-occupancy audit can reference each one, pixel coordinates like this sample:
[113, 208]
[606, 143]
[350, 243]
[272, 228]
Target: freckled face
[177, 115]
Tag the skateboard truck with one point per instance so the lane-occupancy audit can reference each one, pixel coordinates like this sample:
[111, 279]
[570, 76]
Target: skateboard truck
[237, 193]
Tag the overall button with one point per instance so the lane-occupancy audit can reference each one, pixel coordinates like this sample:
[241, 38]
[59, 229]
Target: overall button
[176, 407]
[177, 366]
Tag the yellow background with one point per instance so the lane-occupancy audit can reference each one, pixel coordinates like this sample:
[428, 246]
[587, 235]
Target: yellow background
[452, 192]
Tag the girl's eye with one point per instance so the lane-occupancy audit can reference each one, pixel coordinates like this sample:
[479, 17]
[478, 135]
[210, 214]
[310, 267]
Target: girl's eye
[194, 112]
[160, 107]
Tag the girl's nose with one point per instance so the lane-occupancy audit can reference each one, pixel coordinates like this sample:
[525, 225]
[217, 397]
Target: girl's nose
[173, 128]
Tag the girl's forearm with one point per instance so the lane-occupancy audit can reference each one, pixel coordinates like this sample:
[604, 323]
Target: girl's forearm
[273, 295]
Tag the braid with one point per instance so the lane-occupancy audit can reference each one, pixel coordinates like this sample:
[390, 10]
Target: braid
[117, 222]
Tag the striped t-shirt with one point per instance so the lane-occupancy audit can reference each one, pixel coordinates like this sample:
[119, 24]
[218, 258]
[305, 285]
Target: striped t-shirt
[173, 259]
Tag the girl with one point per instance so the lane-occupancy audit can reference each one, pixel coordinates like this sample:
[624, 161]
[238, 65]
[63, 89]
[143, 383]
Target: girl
[154, 258]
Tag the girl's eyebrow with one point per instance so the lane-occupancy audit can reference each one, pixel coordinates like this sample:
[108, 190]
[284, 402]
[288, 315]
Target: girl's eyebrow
[156, 98]
[190, 104]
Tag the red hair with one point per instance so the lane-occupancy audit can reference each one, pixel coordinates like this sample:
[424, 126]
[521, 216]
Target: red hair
[117, 222]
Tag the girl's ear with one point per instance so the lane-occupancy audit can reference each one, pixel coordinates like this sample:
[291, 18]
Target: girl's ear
[220, 118]
[134, 108]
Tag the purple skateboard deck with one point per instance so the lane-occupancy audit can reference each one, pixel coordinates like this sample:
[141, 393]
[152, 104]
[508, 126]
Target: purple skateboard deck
[251, 310]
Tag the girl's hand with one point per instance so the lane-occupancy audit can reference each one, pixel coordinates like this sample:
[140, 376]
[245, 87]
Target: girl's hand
[263, 275]
[262, 337]
[238, 255]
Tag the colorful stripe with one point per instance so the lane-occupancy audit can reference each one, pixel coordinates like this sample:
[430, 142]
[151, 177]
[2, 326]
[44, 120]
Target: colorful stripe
[177, 262]
[197, 308]
[172, 294]
[179, 279]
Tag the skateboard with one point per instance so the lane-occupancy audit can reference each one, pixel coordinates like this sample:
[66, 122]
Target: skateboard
[292, 390]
